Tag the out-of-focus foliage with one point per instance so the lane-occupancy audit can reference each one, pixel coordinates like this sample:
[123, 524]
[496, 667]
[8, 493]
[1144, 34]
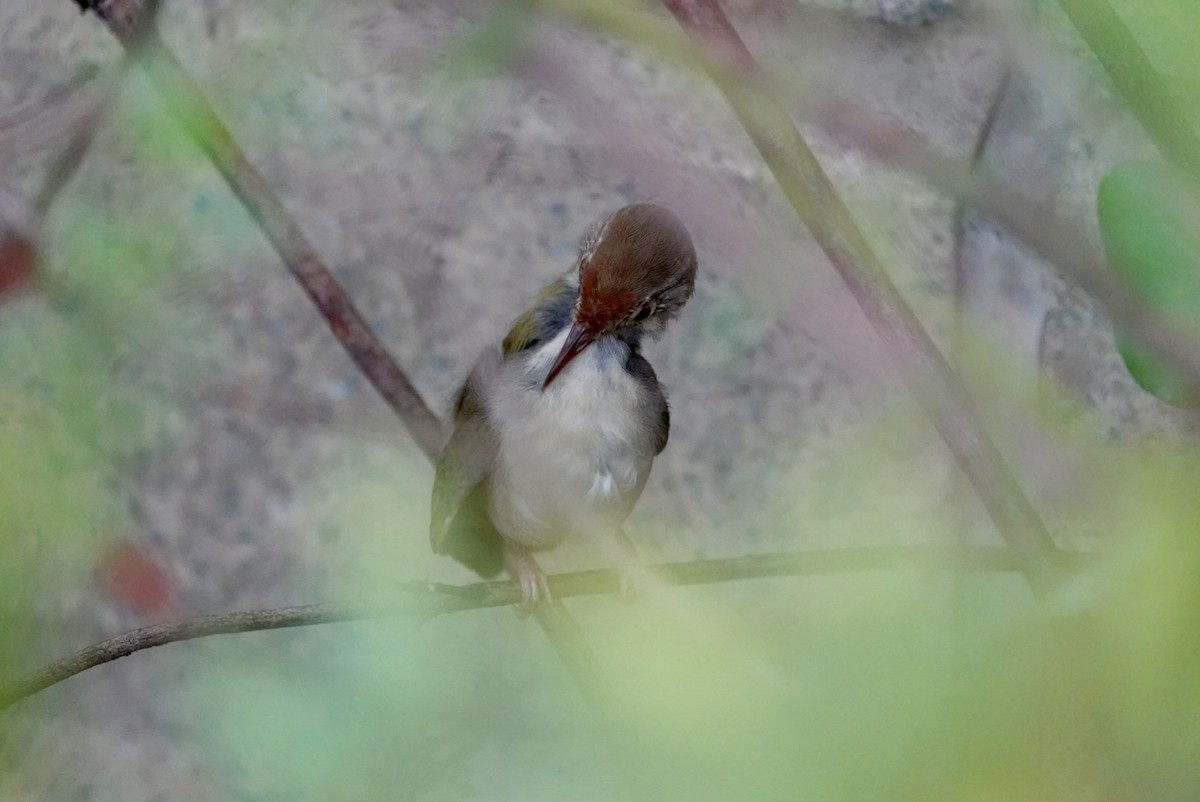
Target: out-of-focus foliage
[1142, 655]
[1149, 212]
[904, 685]
[1151, 227]
[1166, 29]
[86, 352]
[924, 682]
[916, 683]
[53, 488]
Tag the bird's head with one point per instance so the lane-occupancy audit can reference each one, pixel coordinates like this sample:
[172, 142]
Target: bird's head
[637, 269]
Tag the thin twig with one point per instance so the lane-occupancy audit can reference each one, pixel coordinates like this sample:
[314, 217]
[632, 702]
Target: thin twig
[922, 366]
[82, 109]
[64, 166]
[959, 601]
[58, 289]
[960, 207]
[43, 121]
[185, 102]
[1041, 227]
[421, 601]
[132, 24]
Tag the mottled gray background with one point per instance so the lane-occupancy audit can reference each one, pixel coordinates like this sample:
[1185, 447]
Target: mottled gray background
[444, 192]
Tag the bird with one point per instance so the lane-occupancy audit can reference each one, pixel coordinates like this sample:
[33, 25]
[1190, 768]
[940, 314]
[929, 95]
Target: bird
[555, 429]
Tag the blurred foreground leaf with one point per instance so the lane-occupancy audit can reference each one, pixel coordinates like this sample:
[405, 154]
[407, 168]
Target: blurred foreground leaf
[1151, 228]
[55, 490]
[1167, 30]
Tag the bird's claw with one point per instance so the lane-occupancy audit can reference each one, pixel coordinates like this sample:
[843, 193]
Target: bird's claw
[534, 589]
[632, 577]
[528, 575]
[629, 586]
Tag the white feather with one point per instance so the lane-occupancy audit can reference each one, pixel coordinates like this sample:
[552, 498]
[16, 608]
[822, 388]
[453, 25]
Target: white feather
[572, 456]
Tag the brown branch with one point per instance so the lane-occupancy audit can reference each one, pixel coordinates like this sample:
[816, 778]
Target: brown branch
[1042, 228]
[185, 102]
[960, 207]
[822, 209]
[41, 122]
[80, 108]
[132, 22]
[421, 601]
[1058, 240]
[67, 162]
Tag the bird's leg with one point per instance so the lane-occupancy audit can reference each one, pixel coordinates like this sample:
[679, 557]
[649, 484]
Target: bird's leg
[632, 576]
[523, 568]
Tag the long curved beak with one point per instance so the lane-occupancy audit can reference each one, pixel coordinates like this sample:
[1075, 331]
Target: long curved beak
[578, 339]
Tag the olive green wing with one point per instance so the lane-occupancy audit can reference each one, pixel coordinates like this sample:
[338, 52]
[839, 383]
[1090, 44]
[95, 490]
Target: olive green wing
[459, 524]
[546, 318]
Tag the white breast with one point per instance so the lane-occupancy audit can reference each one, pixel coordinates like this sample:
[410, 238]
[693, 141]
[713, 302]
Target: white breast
[573, 456]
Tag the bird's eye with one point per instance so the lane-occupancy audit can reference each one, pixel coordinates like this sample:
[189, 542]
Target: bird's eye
[643, 313]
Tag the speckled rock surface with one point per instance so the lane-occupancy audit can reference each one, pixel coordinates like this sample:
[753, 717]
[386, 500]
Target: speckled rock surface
[444, 191]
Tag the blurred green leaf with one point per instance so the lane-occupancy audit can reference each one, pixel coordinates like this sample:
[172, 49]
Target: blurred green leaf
[1168, 30]
[88, 368]
[56, 488]
[1150, 223]
[1145, 668]
[494, 43]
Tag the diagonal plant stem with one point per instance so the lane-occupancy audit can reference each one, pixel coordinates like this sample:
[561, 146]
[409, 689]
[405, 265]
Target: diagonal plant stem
[45, 120]
[421, 601]
[187, 105]
[959, 595]
[1058, 240]
[1040, 227]
[132, 22]
[822, 209]
[1138, 81]
[960, 207]
[67, 162]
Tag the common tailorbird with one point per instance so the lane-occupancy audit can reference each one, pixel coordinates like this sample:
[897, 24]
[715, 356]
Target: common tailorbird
[555, 430]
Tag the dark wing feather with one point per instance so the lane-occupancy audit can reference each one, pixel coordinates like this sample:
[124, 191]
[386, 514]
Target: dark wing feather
[460, 526]
[641, 370]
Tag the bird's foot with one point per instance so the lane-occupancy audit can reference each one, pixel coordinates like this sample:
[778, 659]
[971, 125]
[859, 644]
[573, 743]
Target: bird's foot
[632, 576]
[523, 568]
[629, 586]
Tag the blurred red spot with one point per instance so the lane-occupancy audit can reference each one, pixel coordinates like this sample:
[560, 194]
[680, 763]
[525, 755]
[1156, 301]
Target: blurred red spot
[18, 260]
[135, 579]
